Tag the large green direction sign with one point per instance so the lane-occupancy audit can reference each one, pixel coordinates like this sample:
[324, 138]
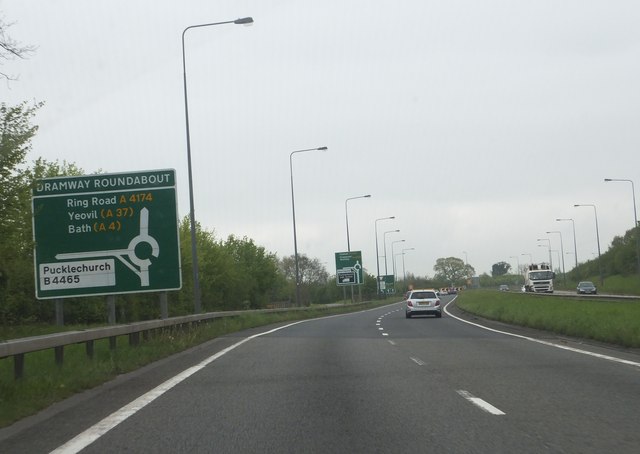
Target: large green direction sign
[106, 234]
[349, 268]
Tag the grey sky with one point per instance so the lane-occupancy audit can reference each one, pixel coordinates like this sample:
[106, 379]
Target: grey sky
[475, 123]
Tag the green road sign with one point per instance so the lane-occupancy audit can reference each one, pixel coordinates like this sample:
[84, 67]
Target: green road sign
[106, 234]
[387, 283]
[349, 268]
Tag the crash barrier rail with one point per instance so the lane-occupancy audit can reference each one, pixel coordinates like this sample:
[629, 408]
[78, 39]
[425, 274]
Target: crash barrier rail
[601, 296]
[18, 348]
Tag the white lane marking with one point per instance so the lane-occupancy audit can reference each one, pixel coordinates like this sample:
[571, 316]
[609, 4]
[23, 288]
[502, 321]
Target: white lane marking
[385, 334]
[484, 405]
[380, 329]
[550, 344]
[418, 361]
[391, 342]
[90, 435]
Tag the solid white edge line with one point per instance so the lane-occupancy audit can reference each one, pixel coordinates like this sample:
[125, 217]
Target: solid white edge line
[94, 432]
[483, 404]
[550, 344]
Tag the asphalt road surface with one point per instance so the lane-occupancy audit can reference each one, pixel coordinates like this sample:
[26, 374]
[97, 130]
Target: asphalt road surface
[369, 382]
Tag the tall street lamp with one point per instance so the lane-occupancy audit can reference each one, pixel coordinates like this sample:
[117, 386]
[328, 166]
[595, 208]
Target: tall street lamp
[575, 248]
[561, 252]
[549, 246]
[293, 209]
[404, 274]
[595, 212]
[377, 253]
[197, 303]
[346, 215]
[635, 218]
[393, 257]
[384, 241]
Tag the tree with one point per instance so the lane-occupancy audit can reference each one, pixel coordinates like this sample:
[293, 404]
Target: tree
[11, 49]
[500, 269]
[313, 276]
[311, 270]
[254, 270]
[452, 270]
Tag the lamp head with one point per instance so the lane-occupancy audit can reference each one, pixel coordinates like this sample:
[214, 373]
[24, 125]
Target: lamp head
[244, 21]
[321, 149]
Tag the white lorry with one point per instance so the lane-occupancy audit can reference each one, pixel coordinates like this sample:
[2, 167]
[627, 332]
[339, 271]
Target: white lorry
[538, 278]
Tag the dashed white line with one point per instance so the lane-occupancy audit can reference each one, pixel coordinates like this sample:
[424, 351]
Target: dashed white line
[418, 361]
[484, 405]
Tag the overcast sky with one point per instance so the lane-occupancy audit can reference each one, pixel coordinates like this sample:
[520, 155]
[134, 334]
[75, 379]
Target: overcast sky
[475, 123]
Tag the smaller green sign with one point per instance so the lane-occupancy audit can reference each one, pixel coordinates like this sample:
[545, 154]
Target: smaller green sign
[387, 283]
[349, 268]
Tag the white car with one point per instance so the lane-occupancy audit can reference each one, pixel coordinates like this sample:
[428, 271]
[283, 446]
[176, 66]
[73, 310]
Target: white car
[423, 302]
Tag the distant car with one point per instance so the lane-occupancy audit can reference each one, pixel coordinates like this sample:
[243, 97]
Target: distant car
[423, 302]
[587, 287]
[503, 288]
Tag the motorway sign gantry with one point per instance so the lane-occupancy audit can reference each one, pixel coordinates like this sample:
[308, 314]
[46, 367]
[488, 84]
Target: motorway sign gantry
[349, 268]
[106, 234]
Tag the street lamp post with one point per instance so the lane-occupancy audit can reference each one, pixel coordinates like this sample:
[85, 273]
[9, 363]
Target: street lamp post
[557, 252]
[197, 302]
[549, 246]
[395, 277]
[575, 248]
[466, 258]
[293, 209]
[384, 241]
[635, 218]
[562, 254]
[346, 215]
[393, 258]
[404, 274]
[595, 212]
[377, 253]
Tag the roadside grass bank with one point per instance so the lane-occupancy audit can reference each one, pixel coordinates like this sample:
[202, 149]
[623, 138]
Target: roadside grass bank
[613, 322]
[44, 383]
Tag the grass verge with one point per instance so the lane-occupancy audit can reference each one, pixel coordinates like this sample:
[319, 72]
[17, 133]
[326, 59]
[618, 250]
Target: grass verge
[614, 322]
[44, 383]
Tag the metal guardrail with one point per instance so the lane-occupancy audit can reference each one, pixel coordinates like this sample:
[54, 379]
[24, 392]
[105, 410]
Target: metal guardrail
[569, 294]
[17, 348]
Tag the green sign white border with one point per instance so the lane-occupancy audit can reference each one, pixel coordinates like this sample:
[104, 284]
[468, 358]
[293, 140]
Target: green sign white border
[349, 262]
[135, 181]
